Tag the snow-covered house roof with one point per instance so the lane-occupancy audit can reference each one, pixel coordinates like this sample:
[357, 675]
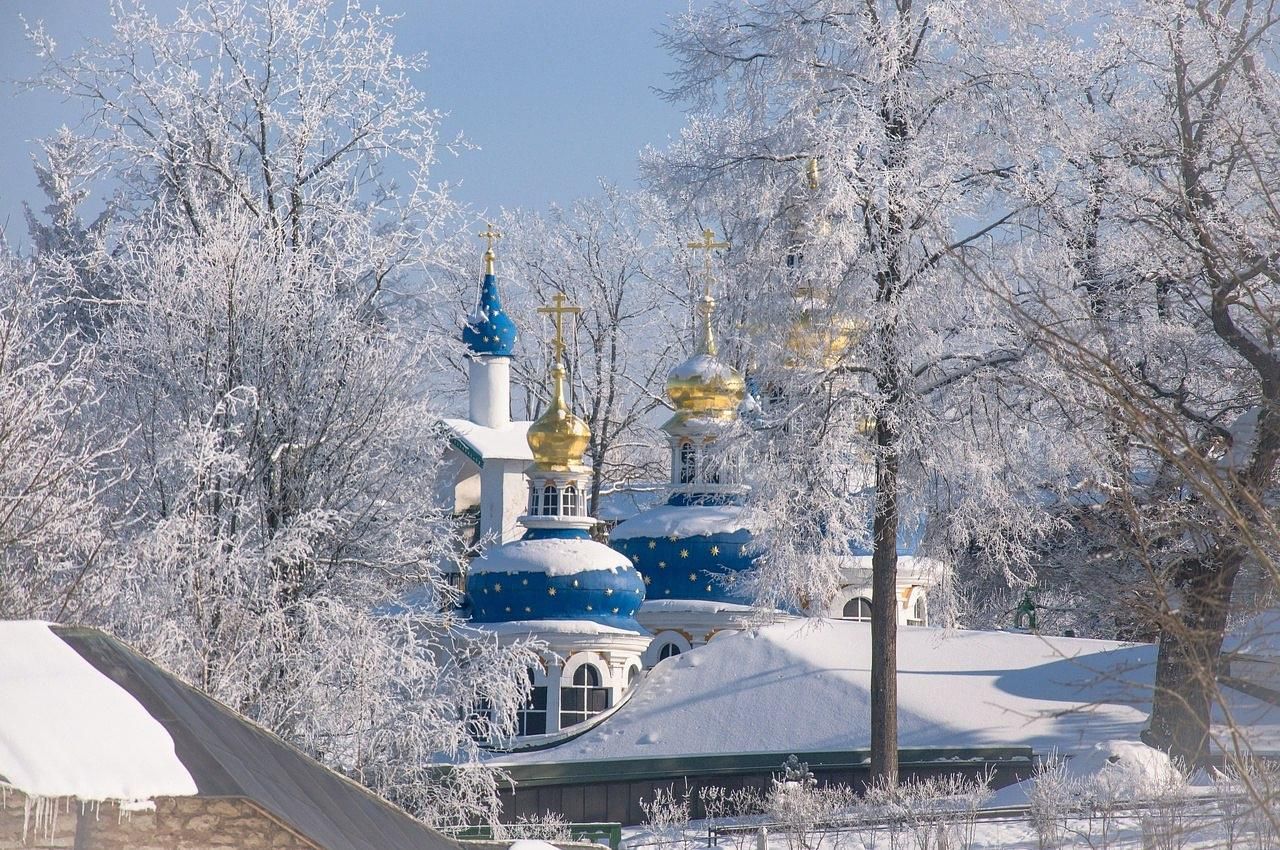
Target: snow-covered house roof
[804, 686]
[481, 443]
[83, 716]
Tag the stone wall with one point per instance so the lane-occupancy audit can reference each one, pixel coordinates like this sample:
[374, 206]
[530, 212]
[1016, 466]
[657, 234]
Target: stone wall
[177, 823]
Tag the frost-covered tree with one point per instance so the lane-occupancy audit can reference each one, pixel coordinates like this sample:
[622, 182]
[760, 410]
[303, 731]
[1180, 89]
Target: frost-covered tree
[855, 153]
[273, 231]
[1160, 201]
[56, 461]
[597, 254]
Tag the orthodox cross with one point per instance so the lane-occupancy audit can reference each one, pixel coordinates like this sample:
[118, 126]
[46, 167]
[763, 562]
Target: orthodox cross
[557, 313]
[490, 236]
[707, 245]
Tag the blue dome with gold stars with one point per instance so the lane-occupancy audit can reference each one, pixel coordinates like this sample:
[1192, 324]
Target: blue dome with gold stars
[688, 549]
[490, 330]
[555, 574]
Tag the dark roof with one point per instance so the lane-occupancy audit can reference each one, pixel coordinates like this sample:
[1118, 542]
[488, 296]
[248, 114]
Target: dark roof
[229, 756]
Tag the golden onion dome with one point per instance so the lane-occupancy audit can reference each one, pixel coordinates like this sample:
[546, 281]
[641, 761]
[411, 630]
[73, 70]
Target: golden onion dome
[704, 385]
[558, 439]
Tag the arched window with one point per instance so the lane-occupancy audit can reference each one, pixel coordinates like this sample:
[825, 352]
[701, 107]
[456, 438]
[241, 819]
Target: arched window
[857, 608]
[584, 698]
[633, 676]
[668, 650]
[570, 503]
[688, 462]
[917, 617]
[535, 500]
[550, 500]
[532, 716]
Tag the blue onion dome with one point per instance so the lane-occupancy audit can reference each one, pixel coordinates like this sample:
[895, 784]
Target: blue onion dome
[490, 330]
[559, 574]
[688, 549]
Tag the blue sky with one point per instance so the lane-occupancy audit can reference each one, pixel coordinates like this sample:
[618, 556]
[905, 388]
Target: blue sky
[556, 94]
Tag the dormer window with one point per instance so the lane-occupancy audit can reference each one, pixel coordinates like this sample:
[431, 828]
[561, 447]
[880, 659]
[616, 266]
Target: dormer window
[688, 463]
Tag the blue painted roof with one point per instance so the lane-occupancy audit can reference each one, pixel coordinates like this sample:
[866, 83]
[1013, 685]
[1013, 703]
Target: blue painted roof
[688, 550]
[490, 330]
[522, 581]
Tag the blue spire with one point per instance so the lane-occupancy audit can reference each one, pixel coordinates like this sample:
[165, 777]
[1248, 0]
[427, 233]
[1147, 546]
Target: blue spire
[490, 330]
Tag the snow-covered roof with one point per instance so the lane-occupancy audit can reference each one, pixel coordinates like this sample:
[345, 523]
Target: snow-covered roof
[481, 443]
[84, 716]
[554, 556]
[538, 628]
[682, 521]
[803, 686]
[698, 606]
[66, 730]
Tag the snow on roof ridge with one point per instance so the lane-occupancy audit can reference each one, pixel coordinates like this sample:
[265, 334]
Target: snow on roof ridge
[67, 730]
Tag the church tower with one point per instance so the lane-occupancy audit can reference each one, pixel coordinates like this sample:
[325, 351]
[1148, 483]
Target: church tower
[483, 477]
[558, 585]
[691, 549]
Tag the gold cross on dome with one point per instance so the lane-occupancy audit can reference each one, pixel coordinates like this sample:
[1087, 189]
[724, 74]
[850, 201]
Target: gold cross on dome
[557, 313]
[490, 236]
[707, 244]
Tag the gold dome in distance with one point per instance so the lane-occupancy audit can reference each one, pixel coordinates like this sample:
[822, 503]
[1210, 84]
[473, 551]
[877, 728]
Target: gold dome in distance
[558, 439]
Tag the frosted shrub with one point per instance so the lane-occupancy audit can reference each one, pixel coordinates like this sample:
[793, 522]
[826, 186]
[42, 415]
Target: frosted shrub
[1053, 792]
[939, 812]
[548, 826]
[667, 817]
[797, 802]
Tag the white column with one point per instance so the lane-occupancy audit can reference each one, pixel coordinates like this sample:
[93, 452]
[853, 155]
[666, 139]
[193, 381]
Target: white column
[554, 670]
[489, 389]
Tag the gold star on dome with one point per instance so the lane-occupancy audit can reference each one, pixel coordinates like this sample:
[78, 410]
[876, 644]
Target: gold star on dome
[684, 553]
[667, 591]
[708, 588]
[635, 558]
[551, 591]
[575, 582]
[615, 610]
[508, 609]
[743, 551]
[608, 591]
[485, 589]
[672, 538]
[648, 579]
[528, 610]
[525, 582]
[715, 550]
[588, 607]
[662, 565]
[653, 544]
[693, 576]
[497, 587]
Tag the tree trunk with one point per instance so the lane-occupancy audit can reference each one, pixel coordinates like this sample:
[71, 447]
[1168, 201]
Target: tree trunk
[1187, 662]
[884, 608]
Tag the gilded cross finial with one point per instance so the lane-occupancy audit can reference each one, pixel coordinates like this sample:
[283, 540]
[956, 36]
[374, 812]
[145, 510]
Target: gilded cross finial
[490, 236]
[557, 313]
[707, 244]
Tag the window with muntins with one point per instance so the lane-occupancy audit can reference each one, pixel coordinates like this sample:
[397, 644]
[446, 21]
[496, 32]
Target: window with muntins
[584, 698]
[668, 650]
[917, 616]
[570, 500]
[532, 716]
[535, 500]
[688, 463]
[550, 500]
[858, 609]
